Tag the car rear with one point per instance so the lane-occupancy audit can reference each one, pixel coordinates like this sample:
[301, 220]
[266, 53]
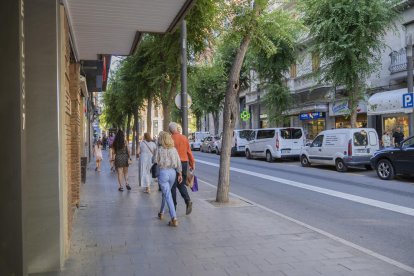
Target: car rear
[289, 142]
[361, 146]
[242, 137]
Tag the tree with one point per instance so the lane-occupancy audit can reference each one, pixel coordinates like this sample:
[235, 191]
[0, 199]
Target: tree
[208, 86]
[348, 35]
[252, 22]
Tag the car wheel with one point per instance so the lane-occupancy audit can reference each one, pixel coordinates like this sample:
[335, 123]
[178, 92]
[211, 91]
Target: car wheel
[340, 165]
[248, 155]
[304, 161]
[269, 157]
[368, 167]
[209, 150]
[385, 170]
[217, 151]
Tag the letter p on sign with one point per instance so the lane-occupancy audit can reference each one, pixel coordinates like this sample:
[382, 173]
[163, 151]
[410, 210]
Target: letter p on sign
[408, 100]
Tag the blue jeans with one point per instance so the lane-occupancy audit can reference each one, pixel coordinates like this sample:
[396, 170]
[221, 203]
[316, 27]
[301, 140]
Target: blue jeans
[166, 180]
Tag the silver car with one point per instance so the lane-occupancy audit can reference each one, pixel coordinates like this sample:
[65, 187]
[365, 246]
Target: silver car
[208, 144]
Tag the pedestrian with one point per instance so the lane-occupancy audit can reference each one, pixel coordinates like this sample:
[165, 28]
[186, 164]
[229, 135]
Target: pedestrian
[147, 149]
[398, 137]
[122, 157]
[169, 165]
[104, 142]
[111, 152]
[97, 151]
[386, 139]
[187, 160]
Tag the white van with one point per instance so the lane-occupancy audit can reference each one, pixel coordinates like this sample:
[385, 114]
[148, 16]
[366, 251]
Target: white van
[238, 143]
[274, 143]
[342, 148]
[195, 139]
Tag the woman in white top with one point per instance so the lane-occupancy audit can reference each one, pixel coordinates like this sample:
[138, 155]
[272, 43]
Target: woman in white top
[386, 139]
[147, 150]
[97, 150]
[169, 164]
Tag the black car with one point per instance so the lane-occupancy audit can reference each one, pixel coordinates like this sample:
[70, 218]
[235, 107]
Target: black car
[396, 160]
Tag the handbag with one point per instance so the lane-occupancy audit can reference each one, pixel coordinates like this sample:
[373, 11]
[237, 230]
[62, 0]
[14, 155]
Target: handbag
[155, 170]
[195, 186]
[190, 178]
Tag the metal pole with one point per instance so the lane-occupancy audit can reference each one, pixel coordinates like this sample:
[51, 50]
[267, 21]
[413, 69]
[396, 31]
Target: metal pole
[410, 77]
[184, 107]
[258, 107]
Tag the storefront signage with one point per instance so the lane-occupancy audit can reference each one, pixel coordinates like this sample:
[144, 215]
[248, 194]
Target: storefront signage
[312, 115]
[339, 108]
[408, 100]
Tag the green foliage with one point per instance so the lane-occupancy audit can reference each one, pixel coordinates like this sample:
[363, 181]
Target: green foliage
[348, 34]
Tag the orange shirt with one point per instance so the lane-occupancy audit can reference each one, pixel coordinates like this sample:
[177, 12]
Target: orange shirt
[183, 148]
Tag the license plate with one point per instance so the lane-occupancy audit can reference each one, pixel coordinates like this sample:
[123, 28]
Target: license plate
[285, 151]
[241, 147]
[362, 150]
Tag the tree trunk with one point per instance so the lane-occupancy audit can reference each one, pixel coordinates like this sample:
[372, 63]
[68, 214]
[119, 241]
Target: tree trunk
[128, 128]
[229, 121]
[216, 122]
[353, 105]
[149, 115]
[135, 133]
[167, 102]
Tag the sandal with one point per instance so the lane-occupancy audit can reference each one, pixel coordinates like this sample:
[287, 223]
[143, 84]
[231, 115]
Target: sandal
[160, 215]
[120, 189]
[128, 187]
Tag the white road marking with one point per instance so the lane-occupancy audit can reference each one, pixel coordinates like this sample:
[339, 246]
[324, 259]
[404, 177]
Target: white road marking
[331, 236]
[350, 197]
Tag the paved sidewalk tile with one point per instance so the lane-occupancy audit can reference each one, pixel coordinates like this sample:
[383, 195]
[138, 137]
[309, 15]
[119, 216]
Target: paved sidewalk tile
[118, 233]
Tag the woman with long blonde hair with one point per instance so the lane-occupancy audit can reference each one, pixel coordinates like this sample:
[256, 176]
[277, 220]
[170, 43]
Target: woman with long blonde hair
[170, 165]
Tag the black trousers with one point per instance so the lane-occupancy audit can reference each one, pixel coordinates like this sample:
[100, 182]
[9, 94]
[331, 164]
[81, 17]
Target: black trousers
[182, 188]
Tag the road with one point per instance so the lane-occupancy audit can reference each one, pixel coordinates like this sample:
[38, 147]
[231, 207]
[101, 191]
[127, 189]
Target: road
[356, 206]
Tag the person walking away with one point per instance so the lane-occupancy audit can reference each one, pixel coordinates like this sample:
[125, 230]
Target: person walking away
[104, 142]
[398, 137]
[122, 155]
[386, 139]
[169, 164]
[97, 151]
[147, 149]
[111, 152]
[187, 159]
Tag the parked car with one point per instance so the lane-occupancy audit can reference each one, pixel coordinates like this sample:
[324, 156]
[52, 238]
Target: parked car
[208, 144]
[273, 143]
[239, 140]
[195, 139]
[391, 161]
[342, 148]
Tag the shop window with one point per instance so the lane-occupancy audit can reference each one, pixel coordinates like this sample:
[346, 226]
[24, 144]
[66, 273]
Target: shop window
[314, 127]
[345, 122]
[391, 123]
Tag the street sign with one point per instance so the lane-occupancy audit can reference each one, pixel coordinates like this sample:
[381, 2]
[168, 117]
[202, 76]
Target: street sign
[178, 101]
[312, 115]
[245, 115]
[408, 100]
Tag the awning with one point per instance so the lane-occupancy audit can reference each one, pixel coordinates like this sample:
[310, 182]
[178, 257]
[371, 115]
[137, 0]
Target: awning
[307, 108]
[115, 26]
[388, 102]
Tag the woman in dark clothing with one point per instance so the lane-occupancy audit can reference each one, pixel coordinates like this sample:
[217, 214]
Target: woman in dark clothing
[122, 155]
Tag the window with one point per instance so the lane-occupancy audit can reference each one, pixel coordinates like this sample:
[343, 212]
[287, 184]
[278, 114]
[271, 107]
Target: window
[372, 138]
[317, 142]
[293, 72]
[264, 134]
[156, 111]
[361, 138]
[246, 134]
[408, 143]
[316, 61]
[291, 133]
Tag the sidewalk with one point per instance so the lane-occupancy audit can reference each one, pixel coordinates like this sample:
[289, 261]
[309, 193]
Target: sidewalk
[119, 234]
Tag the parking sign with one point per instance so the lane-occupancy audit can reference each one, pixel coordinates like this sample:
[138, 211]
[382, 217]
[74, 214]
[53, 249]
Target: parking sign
[408, 100]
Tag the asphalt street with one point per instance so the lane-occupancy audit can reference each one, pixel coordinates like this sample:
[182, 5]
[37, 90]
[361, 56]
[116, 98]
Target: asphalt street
[356, 206]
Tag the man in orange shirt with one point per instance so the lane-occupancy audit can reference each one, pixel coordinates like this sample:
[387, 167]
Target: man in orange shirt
[187, 159]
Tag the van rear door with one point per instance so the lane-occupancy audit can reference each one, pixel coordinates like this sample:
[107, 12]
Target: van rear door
[361, 144]
[290, 141]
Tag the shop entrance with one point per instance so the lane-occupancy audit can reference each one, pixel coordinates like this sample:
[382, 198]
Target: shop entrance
[345, 122]
[390, 123]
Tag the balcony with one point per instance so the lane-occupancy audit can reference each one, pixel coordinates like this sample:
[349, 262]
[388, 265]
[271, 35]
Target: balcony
[398, 61]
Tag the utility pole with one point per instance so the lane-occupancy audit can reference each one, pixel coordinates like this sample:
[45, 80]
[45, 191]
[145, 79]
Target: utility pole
[184, 104]
[410, 78]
